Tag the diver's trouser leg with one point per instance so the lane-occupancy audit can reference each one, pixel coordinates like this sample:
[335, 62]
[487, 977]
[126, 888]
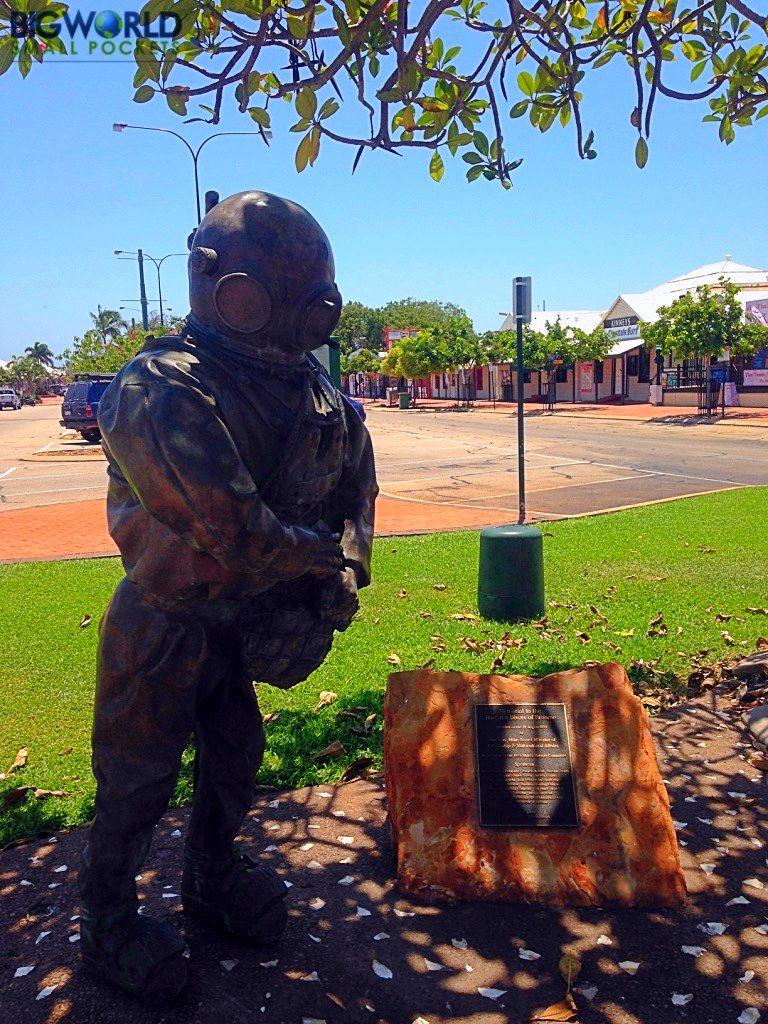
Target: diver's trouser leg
[149, 666]
[220, 884]
[230, 747]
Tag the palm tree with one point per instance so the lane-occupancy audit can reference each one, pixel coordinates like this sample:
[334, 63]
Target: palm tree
[108, 324]
[40, 353]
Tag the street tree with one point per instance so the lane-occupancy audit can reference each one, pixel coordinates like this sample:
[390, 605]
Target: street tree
[363, 361]
[41, 353]
[704, 324]
[420, 313]
[441, 76]
[26, 375]
[108, 324]
[360, 326]
[417, 355]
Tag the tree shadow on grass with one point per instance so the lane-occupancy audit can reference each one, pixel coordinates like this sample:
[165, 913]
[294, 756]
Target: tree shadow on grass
[346, 916]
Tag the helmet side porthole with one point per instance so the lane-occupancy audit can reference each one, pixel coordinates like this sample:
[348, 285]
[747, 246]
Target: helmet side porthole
[242, 303]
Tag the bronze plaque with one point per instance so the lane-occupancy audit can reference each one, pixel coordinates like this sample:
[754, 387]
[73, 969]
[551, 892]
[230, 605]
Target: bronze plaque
[524, 770]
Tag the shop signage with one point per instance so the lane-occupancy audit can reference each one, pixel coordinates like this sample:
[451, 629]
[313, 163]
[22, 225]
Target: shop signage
[756, 378]
[620, 327]
[757, 311]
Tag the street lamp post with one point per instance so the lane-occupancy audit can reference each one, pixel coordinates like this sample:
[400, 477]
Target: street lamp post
[194, 153]
[141, 255]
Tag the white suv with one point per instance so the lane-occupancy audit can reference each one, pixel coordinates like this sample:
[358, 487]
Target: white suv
[9, 399]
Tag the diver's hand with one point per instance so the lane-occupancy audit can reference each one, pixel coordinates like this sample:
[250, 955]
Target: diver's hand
[323, 552]
[339, 602]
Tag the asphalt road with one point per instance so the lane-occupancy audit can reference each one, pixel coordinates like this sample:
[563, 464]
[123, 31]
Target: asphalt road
[573, 466]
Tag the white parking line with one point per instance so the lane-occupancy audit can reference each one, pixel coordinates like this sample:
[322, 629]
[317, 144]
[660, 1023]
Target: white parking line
[8, 472]
[59, 490]
[45, 447]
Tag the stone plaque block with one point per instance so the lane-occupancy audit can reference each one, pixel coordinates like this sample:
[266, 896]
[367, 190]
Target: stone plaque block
[621, 850]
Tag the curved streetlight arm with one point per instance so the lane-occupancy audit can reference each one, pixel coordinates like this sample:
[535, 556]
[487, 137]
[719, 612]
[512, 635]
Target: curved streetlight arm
[167, 131]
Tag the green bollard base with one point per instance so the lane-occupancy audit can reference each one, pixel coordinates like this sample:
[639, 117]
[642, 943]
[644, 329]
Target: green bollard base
[510, 584]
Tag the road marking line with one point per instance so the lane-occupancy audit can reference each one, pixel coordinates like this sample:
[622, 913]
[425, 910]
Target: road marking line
[45, 447]
[8, 472]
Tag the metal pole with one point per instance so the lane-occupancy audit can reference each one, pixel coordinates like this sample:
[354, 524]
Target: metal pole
[520, 419]
[160, 294]
[143, 291]
[197, 183]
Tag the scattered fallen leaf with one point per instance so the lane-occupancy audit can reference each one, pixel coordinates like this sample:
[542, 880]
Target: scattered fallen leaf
[85, 621]
[432, 966]
[326, 697]
[588, 991]
[570, 968]
[357, 768]
[492, 993]
[757, 611]
[335, 749]
[681, 1000]
[20, 761]
[316, 903]
[459, 943]
[441, 586]
[693, 950]
[746, 976]
[271, 717]
[44, 993]
[14, 796]
[528, 954]
[381, 970]
[749, 1015]
[630, 966]
[465, 617]
[393, 659]
[403, 593]
[22, 972]
[566, 1009]
[313, 976]
[712, 928]
[229, 965]
[737, 901]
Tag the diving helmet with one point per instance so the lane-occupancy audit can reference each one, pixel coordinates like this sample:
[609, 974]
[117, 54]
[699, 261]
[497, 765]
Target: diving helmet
[261, 270]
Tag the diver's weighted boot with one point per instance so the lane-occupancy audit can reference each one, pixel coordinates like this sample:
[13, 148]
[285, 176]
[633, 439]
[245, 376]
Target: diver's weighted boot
[141, 955]
[236, 894]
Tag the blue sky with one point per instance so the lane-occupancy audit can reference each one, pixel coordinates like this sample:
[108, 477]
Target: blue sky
[74, 191]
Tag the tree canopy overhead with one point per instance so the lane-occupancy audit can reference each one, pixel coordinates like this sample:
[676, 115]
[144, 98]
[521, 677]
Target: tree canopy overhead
[445, 76]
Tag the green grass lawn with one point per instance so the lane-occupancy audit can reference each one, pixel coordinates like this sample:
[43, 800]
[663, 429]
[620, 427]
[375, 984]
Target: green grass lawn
[690, 560]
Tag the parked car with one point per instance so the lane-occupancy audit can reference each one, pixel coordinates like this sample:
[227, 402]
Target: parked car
[9, 399]
[81, 404]
[358, 407]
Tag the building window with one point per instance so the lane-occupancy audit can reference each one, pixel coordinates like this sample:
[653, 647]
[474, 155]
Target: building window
[598, 371]
[643, 366]
[632, 365]
[561, 375]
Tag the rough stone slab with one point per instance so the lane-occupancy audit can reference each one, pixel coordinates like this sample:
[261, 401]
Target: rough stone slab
[753, 665]
[624, 854]
[757, 724]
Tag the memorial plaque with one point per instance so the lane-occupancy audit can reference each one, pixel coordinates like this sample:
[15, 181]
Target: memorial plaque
[524, 771]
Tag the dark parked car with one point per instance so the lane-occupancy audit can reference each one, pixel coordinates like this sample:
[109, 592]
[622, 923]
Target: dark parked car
[81, 404]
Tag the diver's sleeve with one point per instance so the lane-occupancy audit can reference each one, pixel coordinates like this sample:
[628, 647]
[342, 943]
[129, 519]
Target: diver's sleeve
[355, 498]
[180, 460]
